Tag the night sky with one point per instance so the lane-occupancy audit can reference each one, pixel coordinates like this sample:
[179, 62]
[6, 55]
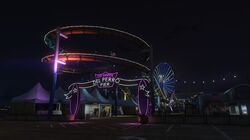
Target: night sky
[200, 40]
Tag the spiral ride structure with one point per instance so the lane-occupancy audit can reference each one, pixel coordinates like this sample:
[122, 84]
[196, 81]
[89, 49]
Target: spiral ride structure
[92, 52]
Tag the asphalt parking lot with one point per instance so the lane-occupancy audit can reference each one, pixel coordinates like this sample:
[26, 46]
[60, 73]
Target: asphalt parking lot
[118, 129]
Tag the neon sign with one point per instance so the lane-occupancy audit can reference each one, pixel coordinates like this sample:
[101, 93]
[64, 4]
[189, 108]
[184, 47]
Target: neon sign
[106, 79]
[143, 97]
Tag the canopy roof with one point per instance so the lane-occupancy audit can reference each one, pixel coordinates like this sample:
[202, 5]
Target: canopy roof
[59, 95]
[37, 95]
[96, 94]
[87, 97]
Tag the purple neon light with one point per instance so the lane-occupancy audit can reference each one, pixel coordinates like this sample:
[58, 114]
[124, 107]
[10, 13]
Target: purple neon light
[143, 100]
[147, 107]
[70, 110]
[64, 36]
[56, 61]
[57, 51]
[106, 79]
[61, 62]
[70, 106]
[106, 74]
[77, 102]
[138, 96]
[55, 67]
[74, 101]
[140, 99]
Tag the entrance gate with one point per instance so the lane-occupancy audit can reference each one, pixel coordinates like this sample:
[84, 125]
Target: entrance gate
[107, 80]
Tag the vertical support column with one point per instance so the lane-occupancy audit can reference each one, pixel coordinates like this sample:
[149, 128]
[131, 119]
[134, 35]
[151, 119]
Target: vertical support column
[74, 102]
[143, 101]
[116, 101]
[52, 94]
[152, 100]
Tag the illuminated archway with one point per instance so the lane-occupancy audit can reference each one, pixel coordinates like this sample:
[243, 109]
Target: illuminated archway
[108, 80]
[74, 59]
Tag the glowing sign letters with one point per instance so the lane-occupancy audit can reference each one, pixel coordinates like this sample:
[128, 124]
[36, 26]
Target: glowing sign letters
[105, 80]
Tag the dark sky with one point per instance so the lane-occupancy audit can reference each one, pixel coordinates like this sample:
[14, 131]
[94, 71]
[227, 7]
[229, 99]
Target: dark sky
[200, 40]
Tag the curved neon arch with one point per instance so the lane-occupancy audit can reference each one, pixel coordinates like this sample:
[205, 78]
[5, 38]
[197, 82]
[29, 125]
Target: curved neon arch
[89, 57]
[142, 94]
[88, 29]
[50, 38]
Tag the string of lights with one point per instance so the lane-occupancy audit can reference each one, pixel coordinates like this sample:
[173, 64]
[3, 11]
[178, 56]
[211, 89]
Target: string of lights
[210, 81]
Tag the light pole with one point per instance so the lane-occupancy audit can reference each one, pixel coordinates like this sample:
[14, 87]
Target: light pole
[56, 61]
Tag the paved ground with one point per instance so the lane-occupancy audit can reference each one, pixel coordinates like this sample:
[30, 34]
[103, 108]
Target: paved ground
[119, 129]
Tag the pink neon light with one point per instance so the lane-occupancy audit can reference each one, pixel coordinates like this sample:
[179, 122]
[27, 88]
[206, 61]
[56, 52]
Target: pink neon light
[147, 106]
[138, 98]
[64, 36]
[70, 107]
[61, 62]
[138, 93]
[106, 79]
[147, 99]
[106, 74]
[78, 94]
[55, 67]
[56, 51]
[77, 103]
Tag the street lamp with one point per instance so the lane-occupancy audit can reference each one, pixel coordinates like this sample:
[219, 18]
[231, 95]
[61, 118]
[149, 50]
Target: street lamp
[56, 62]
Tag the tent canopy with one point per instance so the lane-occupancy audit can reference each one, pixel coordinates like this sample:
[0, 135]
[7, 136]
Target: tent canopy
[59, 95]
[96, 94]
[87, 97]
[37, 95]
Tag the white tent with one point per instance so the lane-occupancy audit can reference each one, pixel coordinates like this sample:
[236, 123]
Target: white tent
[96, 94]
[86, 97]
[36, 95]
[59, 95]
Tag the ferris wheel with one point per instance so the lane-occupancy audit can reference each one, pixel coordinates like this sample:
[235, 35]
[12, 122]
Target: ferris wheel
[164, 79]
